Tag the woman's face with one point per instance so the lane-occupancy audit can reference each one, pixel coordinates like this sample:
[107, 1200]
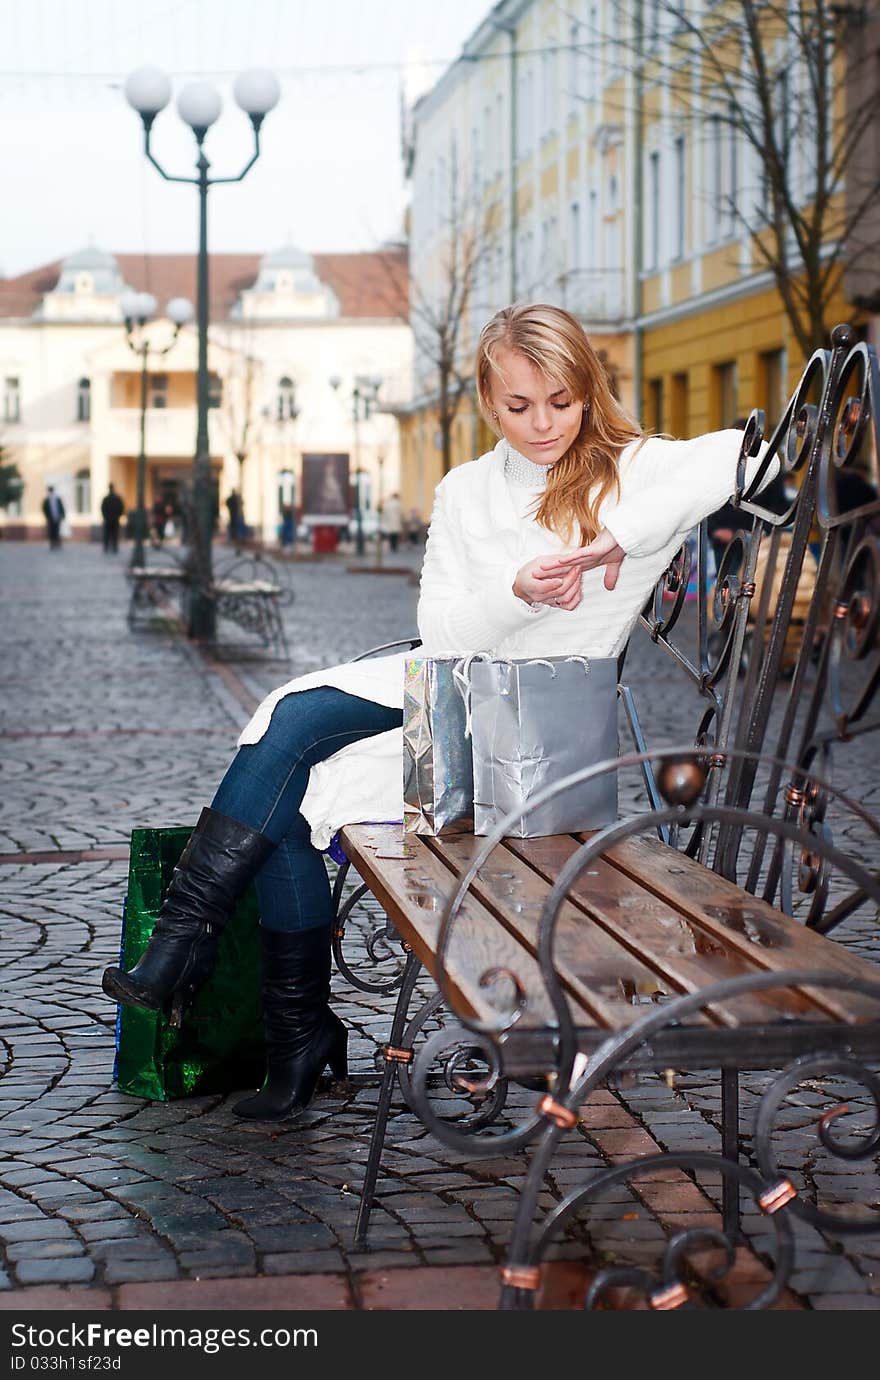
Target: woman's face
[538, 416]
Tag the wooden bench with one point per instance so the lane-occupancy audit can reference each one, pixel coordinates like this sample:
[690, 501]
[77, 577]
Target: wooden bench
[155, 590]
[247, 590]
[696, 932]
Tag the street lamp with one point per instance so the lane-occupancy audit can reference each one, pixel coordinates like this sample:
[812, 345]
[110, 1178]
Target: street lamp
[148, 91]
[363, 396]
[137, 308]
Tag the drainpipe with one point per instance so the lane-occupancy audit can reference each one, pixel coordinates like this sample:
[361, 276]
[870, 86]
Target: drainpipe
[510, 30]
[638, 211]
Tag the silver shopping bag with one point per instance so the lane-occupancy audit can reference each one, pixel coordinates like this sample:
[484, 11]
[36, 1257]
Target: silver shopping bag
[438, 778]
[534, 721]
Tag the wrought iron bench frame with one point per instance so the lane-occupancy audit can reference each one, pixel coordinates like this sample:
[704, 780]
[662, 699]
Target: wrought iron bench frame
[749, 800]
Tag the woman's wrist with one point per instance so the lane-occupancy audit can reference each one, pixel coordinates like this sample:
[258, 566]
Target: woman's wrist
[519, 594]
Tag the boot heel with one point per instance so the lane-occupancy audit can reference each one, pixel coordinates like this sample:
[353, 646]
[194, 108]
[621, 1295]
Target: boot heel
[338, 1057]
[181, 1001]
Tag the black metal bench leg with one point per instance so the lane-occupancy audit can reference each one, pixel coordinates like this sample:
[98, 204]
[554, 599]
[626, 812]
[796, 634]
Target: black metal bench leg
[730, 1188]
[377, 1140]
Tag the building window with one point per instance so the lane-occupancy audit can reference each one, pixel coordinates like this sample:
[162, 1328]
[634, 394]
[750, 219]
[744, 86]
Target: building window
[678, 405]
[724, 394]
[158, 390]
[774, 367]
[215, 390]
[732, 170]
[715, 179]
[680, 175]
[11, 400]
[655, 394]
[574, 236]
[286, 403]
[83, 400]
[82, 493]
[654, 210]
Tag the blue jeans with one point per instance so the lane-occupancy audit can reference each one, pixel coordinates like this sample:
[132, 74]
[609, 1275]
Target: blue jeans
[265, 785]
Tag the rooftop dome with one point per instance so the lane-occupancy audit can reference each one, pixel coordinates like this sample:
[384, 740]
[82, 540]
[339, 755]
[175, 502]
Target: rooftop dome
[287, 257]
[90, 272]
[91, 260]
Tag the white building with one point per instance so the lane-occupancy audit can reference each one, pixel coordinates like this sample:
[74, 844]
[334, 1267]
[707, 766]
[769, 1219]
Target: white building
[292, 339]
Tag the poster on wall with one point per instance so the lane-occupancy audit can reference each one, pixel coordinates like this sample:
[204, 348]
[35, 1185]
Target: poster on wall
[325, 488]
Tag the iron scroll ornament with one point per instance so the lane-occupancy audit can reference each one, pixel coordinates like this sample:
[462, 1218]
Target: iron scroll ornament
[489, 1036]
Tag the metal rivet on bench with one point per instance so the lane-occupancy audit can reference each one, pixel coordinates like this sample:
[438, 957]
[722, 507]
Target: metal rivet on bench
[672, 1297]
[563, 1116]
[521, 1276]
[772, 1199]
[795, 796]
[841, 609]
[748, 589]
[392, 1055]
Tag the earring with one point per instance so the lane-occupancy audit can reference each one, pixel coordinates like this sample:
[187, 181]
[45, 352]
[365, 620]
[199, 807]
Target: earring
[586, 408]
[495, 416]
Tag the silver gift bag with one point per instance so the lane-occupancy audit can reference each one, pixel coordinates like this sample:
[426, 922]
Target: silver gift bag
[534, 721]
[438, 778]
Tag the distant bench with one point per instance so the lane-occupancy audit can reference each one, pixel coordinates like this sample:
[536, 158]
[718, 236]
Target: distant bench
[247, 590]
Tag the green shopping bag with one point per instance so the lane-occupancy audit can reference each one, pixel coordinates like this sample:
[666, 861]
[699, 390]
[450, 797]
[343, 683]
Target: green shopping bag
[221, 1046]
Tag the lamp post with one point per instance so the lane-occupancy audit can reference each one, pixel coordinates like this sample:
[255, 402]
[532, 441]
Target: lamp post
[148, 91]
[137, 308]
[363, 396]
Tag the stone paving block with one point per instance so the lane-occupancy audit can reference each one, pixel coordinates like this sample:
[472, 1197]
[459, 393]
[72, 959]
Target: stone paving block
[54, 1271]
[467, 1288]
[84, 1129]
[125, 1271]
[295, 1294]
[291, 1262]
[53, 1299]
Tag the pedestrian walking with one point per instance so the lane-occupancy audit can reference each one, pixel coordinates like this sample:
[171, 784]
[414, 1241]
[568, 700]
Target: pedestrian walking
[236, 520]
[159, 517]
[112, 508]
[414, 527]
[53, 512]
[392, 520]
[547, 545]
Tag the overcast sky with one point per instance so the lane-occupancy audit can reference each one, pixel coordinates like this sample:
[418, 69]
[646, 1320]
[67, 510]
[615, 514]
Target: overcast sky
[329, 177]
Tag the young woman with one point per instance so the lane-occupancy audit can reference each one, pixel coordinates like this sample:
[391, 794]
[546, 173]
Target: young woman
[547, 545]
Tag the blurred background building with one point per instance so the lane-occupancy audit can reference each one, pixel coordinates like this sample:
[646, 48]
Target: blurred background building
[290, 335]
[697, 181]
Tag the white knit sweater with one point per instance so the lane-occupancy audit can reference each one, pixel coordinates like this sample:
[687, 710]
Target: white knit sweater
[481, 533]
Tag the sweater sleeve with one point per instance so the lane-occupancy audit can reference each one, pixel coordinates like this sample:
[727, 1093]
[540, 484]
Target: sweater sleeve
[453, 616]
[691, 480]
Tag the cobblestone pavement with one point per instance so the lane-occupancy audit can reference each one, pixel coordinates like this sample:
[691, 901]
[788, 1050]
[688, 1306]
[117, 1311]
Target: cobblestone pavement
[104, 730]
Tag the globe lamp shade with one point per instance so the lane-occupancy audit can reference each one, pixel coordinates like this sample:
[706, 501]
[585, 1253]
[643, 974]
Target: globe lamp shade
[148, 91]
[199, 104]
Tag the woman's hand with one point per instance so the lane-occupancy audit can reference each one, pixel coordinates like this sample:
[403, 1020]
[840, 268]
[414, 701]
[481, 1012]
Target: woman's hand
[602, 550]
[536, 583]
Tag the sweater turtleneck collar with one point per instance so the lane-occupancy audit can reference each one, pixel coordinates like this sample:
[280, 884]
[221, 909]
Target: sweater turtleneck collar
[522, 472]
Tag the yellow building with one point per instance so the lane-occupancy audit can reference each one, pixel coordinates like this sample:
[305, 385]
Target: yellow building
[715, 339]
[611, 158]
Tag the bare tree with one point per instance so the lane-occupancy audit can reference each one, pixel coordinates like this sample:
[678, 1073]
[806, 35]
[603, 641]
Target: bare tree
[442, 304]
[240, 398]
[783, 78]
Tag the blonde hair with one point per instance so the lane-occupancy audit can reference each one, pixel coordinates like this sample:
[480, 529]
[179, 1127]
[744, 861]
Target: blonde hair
[556, 344]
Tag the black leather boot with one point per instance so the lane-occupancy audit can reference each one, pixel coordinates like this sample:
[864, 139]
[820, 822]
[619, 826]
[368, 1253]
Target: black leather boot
[303, 1035]
[214, 870]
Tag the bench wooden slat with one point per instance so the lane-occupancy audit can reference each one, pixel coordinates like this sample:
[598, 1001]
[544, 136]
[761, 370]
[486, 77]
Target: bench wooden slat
[412, 885]
[606, 979]
[685, 957]
[769, 938]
